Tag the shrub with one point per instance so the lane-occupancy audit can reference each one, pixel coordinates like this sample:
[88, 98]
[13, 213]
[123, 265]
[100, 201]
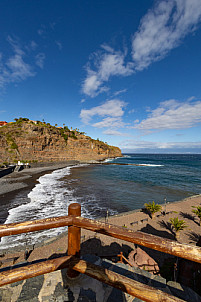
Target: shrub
[14, 146]
[73, 135]
[153, 208]
[197, 212]
[178, 226]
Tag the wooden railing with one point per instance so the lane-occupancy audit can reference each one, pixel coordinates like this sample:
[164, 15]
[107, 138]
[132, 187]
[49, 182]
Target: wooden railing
[75, 265]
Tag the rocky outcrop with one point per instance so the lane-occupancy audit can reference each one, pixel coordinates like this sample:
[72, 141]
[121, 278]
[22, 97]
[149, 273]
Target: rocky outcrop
[139, 258]
[37, 141]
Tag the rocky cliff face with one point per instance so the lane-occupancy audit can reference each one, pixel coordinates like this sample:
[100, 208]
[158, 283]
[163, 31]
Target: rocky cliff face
[37, 141]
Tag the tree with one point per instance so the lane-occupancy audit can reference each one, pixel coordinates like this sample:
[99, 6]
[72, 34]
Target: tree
[153, 208]
[197, 212]
[178, 226]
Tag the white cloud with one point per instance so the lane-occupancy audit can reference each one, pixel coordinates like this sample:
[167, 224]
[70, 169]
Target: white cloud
[13, 67]
[41, 31]
[91, 84]
[31, 46]
[15, 45]
[131, 111]
[172, 115]
[192, 98]
[143, 145]
[18, 70]
[119, 92]
[59, 44]
[114, 122]
[40, 58]
[107, 64]
[111, 108]
[114, 132]
[163, 28]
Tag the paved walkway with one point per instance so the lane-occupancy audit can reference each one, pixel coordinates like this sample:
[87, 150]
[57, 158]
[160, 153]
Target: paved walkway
[57, 287]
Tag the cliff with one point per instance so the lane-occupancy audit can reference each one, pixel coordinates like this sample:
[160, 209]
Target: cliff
[37, 141]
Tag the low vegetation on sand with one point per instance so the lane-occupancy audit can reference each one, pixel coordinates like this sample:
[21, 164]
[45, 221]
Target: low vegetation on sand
[152, 208]
[197, 212]
[178, 225]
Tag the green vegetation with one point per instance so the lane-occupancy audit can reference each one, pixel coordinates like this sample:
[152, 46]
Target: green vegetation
[10, 141]
[66, 128]
[21, 129]
[153, 208]
[72, 134]
[178, 225]
[14, 146]
[64, 135]
[21, 119]
[197, 212]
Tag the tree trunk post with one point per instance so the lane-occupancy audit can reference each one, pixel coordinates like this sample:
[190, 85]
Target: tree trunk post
[74, 237]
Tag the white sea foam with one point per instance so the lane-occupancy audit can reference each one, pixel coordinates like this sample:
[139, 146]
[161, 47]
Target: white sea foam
[111, 159]
[108, 160]
[49, 198]
[150, 165]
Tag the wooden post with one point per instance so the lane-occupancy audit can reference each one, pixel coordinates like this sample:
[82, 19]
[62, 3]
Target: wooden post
[121, 257]
[74, 237]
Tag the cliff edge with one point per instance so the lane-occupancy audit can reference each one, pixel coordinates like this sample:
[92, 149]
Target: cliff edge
[35, 141]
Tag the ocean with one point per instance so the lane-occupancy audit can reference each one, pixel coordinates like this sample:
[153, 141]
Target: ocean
[140, 178]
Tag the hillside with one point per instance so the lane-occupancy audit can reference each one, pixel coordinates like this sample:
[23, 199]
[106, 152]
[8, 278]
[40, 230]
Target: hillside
[32, 141]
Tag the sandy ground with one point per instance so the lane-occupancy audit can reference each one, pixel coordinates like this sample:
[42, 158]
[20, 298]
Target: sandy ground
[95, 243]
[19, 180]
[102, 245]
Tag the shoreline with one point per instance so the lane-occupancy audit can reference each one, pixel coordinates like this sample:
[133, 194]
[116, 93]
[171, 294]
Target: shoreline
[20, 180]
[57, 245]
[16, 181]
[28, 177]
[25, 180]
[162, 204]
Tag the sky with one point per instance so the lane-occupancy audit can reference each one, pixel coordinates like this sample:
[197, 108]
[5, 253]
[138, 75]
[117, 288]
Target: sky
[125, 72]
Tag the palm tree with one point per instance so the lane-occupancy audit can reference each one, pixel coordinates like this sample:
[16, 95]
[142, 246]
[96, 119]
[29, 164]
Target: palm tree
[178, 226]
[153, 208]
[197, 212]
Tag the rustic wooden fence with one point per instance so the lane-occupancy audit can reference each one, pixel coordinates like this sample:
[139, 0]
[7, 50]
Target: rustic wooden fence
[75, 265]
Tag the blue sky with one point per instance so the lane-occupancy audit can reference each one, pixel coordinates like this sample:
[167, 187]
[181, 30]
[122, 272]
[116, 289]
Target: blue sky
[126, 72]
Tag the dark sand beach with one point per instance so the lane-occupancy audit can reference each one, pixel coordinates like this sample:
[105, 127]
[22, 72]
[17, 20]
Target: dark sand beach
[26, 179]
[102, 245]
[95, 243]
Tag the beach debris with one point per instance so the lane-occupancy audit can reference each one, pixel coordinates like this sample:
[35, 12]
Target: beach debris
[153, 208]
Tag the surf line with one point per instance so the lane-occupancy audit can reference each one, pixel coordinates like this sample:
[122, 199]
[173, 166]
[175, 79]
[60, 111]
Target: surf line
[124, 164]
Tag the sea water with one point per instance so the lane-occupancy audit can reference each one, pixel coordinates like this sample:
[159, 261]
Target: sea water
[105, 188]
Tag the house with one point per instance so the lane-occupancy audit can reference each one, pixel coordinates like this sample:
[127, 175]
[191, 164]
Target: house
[3, 123]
